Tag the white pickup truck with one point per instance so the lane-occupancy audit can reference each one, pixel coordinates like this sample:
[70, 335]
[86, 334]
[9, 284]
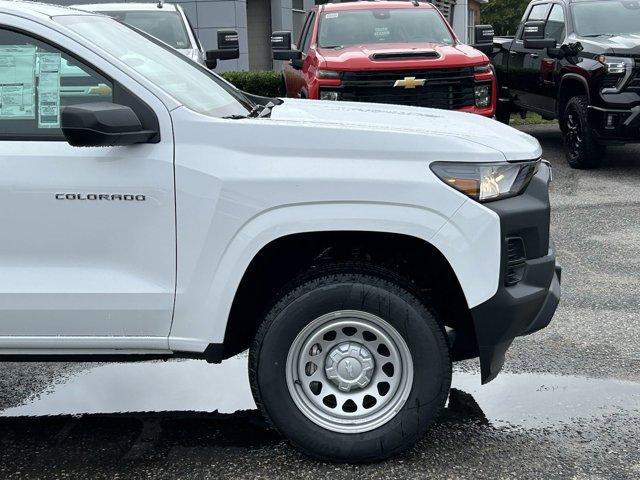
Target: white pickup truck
[151, 210]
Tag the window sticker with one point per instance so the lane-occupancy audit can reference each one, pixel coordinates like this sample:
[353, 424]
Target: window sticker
[381, 32]
[49, 90]
[17, 81]
[332, 15]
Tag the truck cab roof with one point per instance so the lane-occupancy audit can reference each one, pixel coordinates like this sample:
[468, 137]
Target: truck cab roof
[372, 4]
[128, 7]
[34, 10]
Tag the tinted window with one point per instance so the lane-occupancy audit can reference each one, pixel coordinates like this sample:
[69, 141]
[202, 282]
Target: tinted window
[165, 26]
[538, 12]
[555, 24]
[37, 81]
[308, 33]
[607, 18]
[402, 25]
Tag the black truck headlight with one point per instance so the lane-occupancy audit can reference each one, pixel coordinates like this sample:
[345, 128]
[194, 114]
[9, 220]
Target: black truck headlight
[486, 182]
[483, 95]
[329, 95]
[618, 70]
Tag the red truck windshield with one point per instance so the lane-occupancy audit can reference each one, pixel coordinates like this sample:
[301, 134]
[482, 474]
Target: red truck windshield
[401, 25]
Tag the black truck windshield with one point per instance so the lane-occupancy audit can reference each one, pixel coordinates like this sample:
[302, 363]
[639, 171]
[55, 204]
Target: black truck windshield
[401, 25]
[606, 18]
[165, 26]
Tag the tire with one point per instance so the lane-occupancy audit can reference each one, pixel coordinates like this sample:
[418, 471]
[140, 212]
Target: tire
[503, 113]
[350, 301]
[581, 147]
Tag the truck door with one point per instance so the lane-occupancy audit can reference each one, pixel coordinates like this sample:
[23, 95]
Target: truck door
[295, 78]
[549, 67]
[87, 244]
[525, 66]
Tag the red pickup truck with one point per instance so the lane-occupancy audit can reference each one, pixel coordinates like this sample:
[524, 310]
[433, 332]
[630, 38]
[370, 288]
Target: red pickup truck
[398, 52]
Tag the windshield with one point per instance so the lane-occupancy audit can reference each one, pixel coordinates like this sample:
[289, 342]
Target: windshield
[186, 81]
[400, 25]
[607, 18]
[165, 26]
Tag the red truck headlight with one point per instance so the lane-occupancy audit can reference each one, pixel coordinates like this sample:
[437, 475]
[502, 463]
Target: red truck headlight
[328, 74]
[483, 95]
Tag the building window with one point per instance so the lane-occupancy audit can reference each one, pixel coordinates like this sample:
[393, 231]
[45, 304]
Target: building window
[471, 33]
[299, 15]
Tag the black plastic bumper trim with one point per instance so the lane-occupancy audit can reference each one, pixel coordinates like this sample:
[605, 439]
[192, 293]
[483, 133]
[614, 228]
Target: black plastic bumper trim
[529, 305]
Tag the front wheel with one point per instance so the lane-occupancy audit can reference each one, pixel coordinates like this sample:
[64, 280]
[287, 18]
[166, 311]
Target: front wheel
[503, 113]
[350, 367]
[581, 147]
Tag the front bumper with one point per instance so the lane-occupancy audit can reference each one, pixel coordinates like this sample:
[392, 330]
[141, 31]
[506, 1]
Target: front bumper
[615, 125]
[528, 305]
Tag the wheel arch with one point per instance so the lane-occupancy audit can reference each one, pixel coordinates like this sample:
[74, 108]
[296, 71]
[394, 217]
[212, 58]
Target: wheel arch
[206, 320]
[418, 262]
[571, 85]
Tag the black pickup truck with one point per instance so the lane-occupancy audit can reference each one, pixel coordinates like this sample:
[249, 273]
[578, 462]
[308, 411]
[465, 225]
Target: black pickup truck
[577, 61]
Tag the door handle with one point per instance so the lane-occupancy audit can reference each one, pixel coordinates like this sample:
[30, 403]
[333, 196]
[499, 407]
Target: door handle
[513, 52]
[535, 55]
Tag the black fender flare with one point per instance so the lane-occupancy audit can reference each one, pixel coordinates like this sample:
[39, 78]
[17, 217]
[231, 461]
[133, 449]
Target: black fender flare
[571, 76]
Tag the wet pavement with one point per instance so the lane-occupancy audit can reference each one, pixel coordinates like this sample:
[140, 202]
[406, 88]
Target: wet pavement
[566, 406]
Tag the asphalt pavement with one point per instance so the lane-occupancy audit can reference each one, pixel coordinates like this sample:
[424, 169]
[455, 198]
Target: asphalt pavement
[567, 404]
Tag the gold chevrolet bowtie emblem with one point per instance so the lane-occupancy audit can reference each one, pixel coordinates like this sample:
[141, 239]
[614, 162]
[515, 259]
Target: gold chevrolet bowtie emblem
[410, 82]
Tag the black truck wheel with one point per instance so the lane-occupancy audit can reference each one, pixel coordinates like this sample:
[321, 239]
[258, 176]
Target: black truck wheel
[581, 147]
[503, 113]
[350, 366]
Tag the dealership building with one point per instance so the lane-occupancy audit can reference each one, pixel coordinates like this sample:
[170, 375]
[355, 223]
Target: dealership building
[256, 19]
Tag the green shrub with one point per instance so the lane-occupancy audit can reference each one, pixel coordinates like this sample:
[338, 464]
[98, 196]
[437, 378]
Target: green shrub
[265, 83]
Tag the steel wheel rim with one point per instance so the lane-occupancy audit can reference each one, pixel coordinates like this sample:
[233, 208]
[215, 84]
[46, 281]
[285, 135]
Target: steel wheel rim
[374, 395]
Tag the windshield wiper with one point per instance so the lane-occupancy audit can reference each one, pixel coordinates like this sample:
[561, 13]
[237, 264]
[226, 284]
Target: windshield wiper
[258, 111]
[261, 111]
[593, 35]
[335, 47]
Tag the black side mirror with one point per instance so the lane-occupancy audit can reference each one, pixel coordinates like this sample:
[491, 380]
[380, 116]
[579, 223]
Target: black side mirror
[103, 124]
[533, 36]
[484, 38]
[282, 49]
[228, 48]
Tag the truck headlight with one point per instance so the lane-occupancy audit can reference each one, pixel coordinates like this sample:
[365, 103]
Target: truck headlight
[615, 65]
[329, 95]
[330, 74]
[618, 70]
[486, 182]
[483, 95]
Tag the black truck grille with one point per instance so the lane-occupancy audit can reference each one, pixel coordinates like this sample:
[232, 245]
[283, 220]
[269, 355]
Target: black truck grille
[516, 261]
[634, 83]
[450, 88]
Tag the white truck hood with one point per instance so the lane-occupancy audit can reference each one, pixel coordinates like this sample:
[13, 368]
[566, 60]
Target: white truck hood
[514, 145]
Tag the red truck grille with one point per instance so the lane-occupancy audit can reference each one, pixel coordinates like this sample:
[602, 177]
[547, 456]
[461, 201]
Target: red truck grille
[450, 88]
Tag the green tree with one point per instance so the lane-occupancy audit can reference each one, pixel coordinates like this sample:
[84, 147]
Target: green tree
[504, 15]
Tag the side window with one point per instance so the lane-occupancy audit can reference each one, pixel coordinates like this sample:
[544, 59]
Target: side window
[538, 12]
[36, 82]
[555, 24]
[303, 33]
[306, 40]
